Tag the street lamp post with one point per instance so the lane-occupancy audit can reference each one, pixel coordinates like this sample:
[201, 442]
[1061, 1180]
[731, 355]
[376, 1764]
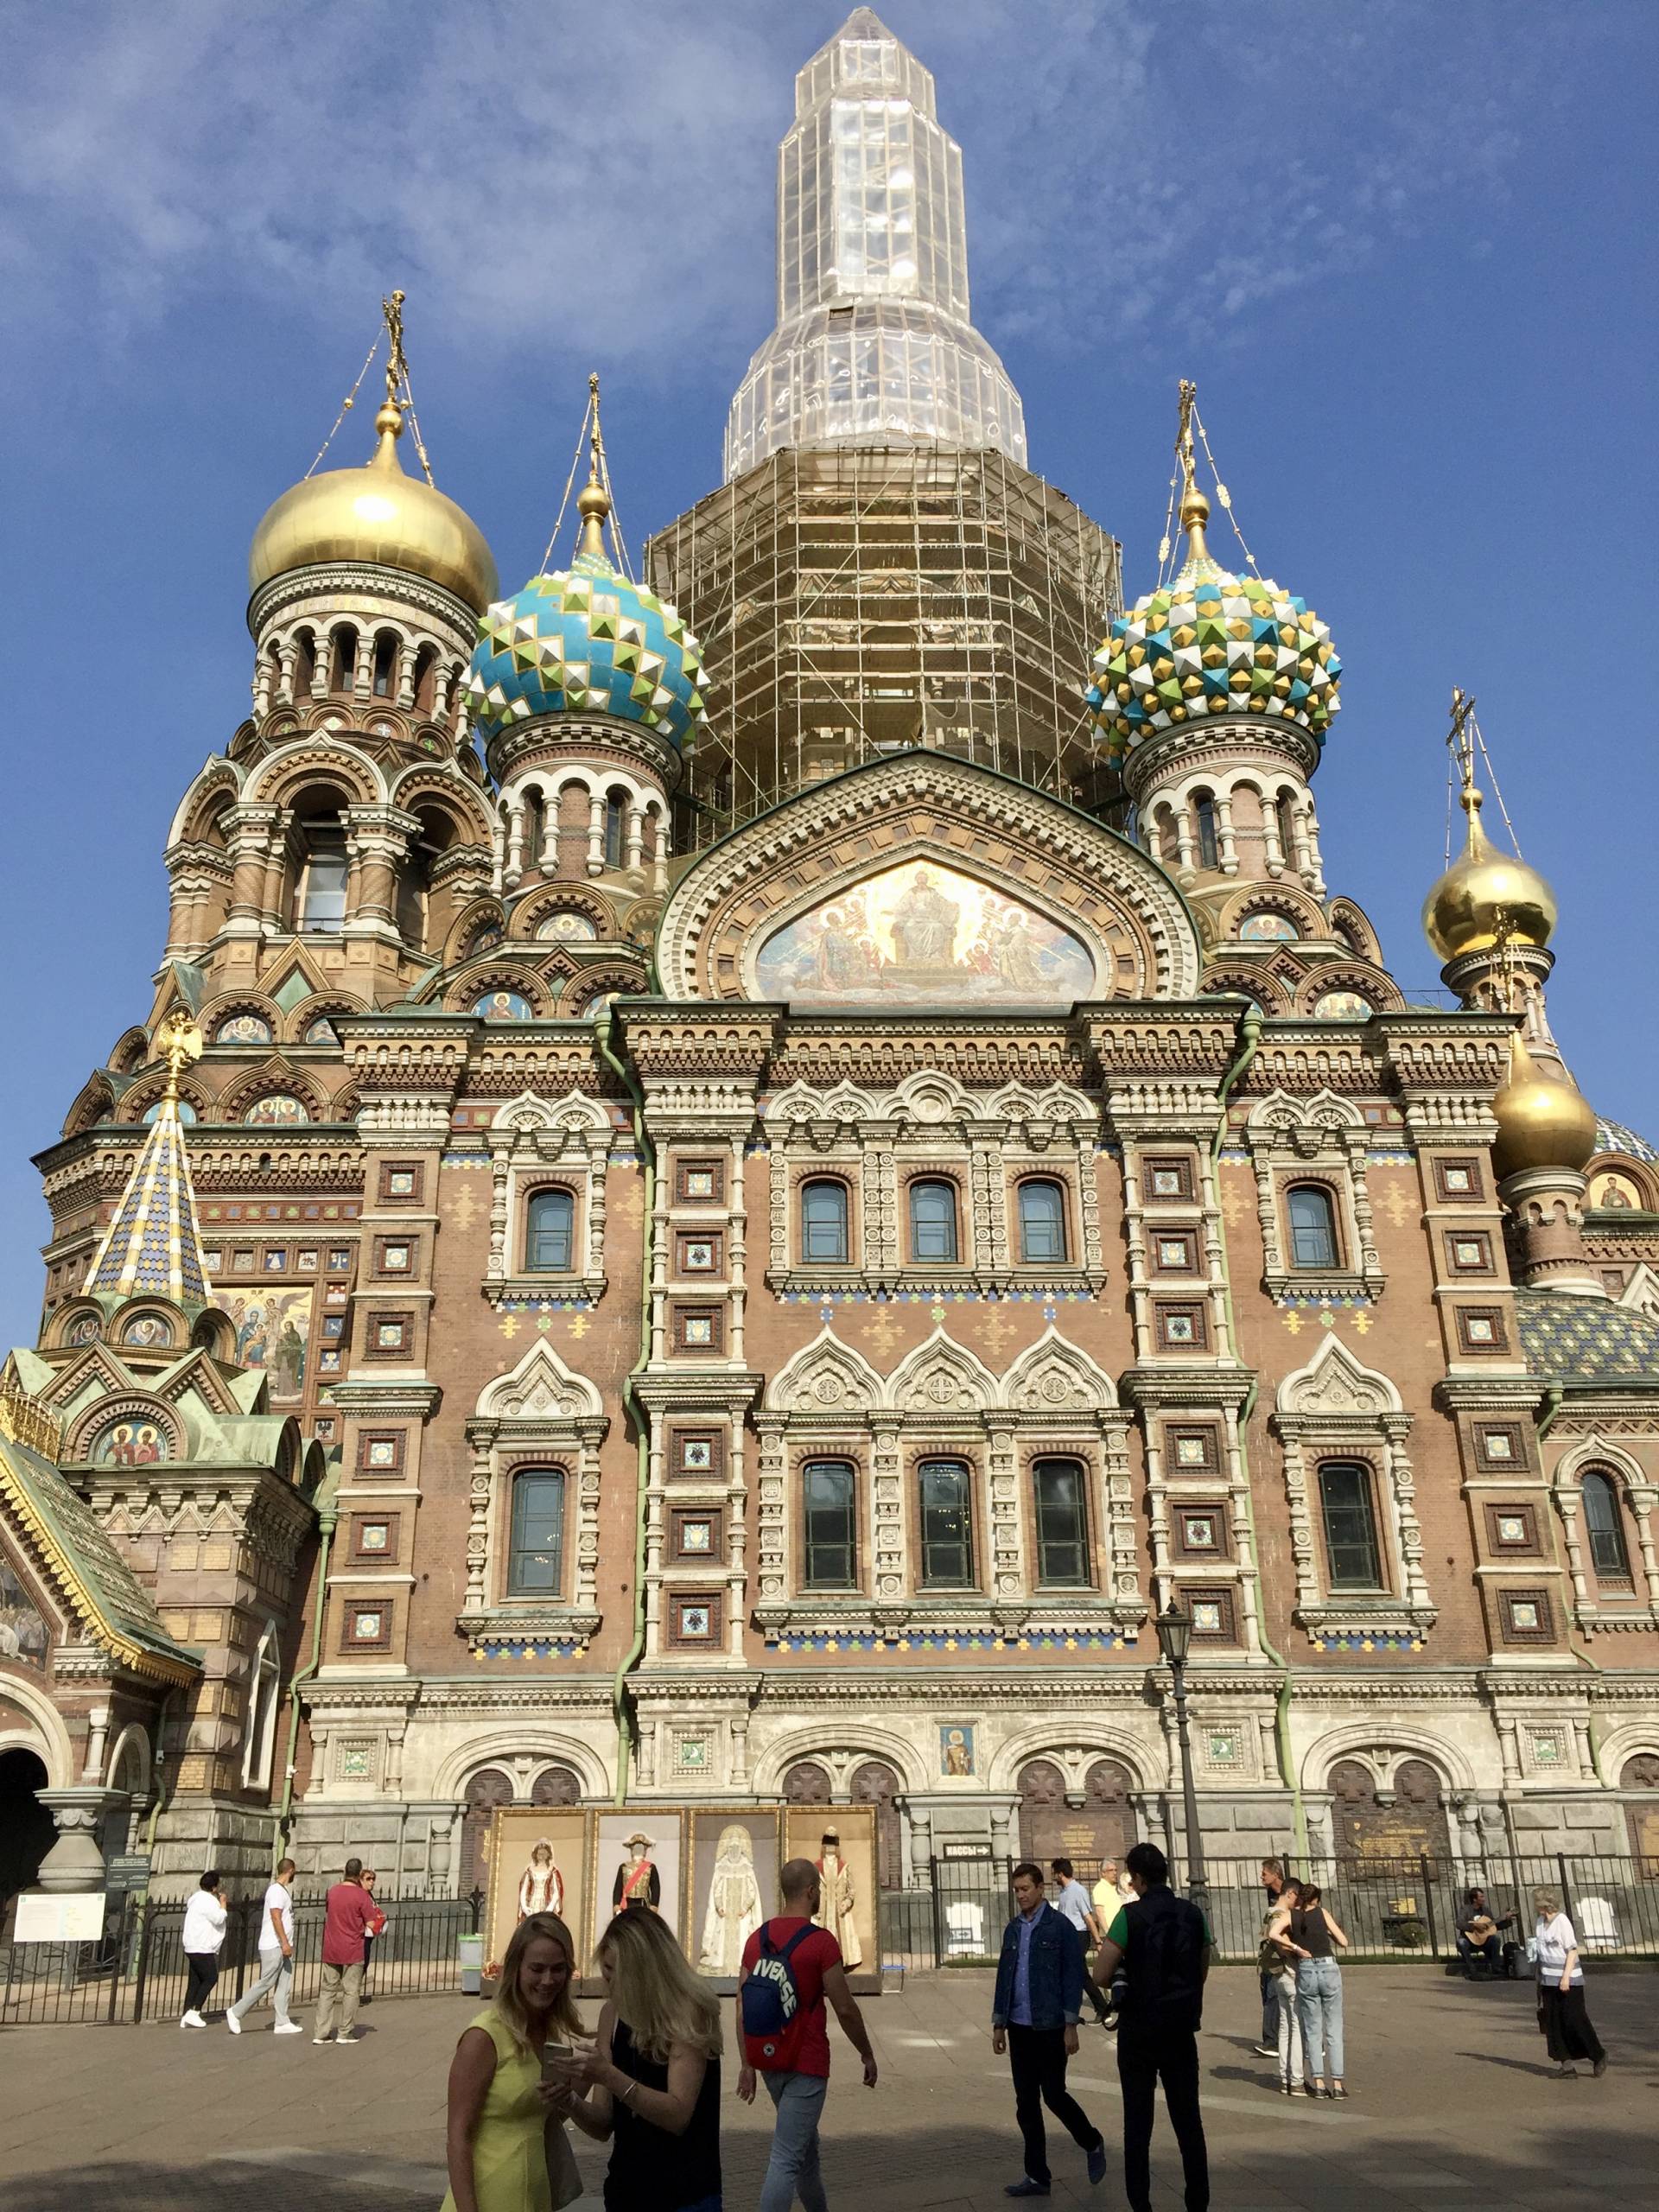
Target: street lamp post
[1174, 1637]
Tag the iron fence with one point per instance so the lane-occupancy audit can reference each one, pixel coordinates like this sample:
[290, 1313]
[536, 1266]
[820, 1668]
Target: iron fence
[137, 1968]
[1391, 1909]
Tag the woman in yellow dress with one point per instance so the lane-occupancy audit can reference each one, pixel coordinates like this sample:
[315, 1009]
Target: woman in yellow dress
[505, 2132]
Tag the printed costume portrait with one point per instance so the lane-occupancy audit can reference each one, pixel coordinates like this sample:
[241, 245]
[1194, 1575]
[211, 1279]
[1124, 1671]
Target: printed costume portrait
[541, 1886]
[638, 1884]
[735, 1908]
[836, 1900]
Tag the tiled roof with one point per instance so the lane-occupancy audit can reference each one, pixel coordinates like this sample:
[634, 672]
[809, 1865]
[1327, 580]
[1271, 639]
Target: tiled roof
[1613, 1137]
[1586, 1339]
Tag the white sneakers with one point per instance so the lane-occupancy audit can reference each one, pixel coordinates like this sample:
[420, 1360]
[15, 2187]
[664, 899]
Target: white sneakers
[287, 2028]
[233, 2023]
[191, 2020]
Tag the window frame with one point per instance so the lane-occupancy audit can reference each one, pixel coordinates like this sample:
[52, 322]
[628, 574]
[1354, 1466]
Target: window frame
[1330, 1259]
[539, 1197]
[313, 849]
[1051, 1462]
[1342, 1584]
[1607, 1486]
[1052, 1187]
[925, 1579]
[810, 1188]
[513, 1583]
[913, 1188]
[838, 1464]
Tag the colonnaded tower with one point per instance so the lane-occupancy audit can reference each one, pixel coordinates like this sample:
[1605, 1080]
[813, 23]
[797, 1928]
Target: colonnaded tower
[694, 1225]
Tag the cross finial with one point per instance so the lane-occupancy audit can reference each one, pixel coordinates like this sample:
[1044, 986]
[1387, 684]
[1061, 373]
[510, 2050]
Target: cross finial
[397, 367]
[1461, 739]
[1195, 508]
[593, 500]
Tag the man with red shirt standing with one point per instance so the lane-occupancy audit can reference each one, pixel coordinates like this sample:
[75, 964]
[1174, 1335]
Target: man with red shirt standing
[795, 2061]
[350, 1915]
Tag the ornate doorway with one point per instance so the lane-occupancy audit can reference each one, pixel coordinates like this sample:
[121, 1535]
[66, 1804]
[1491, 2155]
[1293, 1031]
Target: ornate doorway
[28, 1831]
[874, 1783]
[486, 1791]
[1413, 1824]
[1103, 1827]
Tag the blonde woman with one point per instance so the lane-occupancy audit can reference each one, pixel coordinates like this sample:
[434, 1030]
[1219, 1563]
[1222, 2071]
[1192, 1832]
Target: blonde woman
[506, 2143]
[1277, 1963]
[1561, 2015]
[652, 2078]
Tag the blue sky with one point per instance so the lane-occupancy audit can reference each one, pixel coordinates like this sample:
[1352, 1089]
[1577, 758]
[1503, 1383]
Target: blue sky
[1404, 248]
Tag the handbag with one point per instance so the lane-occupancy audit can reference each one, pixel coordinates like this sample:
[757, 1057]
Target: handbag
[564, 2180]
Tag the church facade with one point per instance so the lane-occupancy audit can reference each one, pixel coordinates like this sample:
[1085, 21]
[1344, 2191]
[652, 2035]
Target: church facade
[631, 1262]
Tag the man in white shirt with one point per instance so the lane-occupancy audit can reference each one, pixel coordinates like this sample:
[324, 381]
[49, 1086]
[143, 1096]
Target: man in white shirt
[276, 1957]
[1071, 1901]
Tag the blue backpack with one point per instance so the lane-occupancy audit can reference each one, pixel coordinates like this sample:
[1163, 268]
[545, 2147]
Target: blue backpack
[771, 1998]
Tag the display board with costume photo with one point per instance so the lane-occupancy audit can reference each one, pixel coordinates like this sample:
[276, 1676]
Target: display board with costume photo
[538, 1862]
[840, 1840]
[733, 1884]
[637, 1859]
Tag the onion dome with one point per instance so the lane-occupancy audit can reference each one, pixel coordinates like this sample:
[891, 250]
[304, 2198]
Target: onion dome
[1543, 1118]
[1485, 894]
[380, 515]
[586, 641]
[1209, 644]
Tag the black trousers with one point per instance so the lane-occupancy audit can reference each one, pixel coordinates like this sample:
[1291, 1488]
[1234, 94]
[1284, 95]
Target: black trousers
[1145, 2057]
[1038, 2058]
[1566, 2025]
[204, 1972]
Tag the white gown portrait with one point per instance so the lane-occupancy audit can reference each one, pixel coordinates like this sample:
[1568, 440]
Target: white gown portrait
[735, 1909]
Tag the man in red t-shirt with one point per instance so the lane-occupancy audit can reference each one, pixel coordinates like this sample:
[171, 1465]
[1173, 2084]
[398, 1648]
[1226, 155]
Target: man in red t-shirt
[795, 2064]
[350, 1915]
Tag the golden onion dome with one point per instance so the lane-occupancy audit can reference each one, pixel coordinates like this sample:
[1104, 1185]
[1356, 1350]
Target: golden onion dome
[377, 514]
[1484, 890]
[1543, 1118]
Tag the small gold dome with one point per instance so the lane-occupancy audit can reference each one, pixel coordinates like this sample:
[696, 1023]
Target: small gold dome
[377, 514]
[1482, 889]
[1544, 1120]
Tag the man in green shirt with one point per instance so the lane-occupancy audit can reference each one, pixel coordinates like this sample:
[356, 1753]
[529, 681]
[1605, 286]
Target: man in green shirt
[1161, 1944]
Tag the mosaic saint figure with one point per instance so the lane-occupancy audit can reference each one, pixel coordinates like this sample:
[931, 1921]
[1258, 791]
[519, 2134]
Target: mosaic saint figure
[835, 1899]
[541, 1886]
[735, 1909]
[924, 924]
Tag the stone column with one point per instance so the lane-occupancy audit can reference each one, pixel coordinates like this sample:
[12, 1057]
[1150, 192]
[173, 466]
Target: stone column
[595, 833]
[636, 847]
[97, 1731]
[921, 1845]
[75, 1864]
[1227, 849]
[248, 831]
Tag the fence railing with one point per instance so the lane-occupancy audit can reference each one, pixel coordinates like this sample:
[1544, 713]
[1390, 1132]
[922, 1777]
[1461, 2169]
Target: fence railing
[1395, 1908]
[136, 1970]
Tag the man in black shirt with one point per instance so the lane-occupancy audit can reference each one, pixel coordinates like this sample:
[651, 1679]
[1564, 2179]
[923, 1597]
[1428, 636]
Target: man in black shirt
[1161, 1945]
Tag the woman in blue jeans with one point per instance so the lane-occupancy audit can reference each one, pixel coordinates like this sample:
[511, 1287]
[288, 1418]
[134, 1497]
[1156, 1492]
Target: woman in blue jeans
[1312, 1941]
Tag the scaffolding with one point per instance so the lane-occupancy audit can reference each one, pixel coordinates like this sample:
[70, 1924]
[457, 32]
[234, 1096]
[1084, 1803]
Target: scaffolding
[852, 602]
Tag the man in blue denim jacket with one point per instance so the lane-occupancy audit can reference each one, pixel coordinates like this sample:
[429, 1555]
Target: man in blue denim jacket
[1034, 2019]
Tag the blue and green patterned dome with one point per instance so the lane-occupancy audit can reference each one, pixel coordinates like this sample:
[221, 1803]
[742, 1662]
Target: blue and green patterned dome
[1210, 644]
[586, 641]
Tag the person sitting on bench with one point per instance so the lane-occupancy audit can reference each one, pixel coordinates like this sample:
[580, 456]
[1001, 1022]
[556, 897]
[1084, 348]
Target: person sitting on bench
[1478, 1930]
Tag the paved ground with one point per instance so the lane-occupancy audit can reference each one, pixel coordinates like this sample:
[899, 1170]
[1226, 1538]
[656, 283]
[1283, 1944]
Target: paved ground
[1453, 2106]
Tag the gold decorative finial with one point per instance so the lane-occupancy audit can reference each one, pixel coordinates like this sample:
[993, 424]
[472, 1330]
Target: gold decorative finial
[593, 501]
[1461, 739]
[389, 420]
[180, 1042]
[1195, 508]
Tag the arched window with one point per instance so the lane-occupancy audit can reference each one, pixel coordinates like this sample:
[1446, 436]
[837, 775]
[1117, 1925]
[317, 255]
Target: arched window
[1042, 1221]
[947, 1525]
[536, 1547]
[1604, 1528]
[426, 671]
[386, 664]
[1062, 1524]
[550, 1232]
[320, 904]
[615, 829]
[305, 664]
[343, 673]
[831, 1523]
[823, 1223]
[1312, 1226]
[1204, 818]
[1284, 808]
[932, 1219]
[1351, 1546]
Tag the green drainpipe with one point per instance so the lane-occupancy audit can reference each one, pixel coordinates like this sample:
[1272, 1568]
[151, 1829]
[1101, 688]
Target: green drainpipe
[631, 1401]
[328, 1516]
[1250, 1042]
[1554, 1396]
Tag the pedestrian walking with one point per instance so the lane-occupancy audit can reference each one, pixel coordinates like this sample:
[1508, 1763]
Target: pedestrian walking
[1278, 1966]
[1073, 1902]
[1565, 2024]
[276, 1957]
[1273, 1880]
[204, 1931]
[1160, 1944]
[792, 1978]
[505, 2141]
[651, 2080]
[1035, 2013]
[349, 1915]
[1314, 1937]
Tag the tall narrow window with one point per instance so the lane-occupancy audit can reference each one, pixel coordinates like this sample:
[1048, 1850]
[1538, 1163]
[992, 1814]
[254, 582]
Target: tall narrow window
[1350, 1526]
[536, 1552]
[1605, 1528]
[385, 665]
[1284, 808]
[1042, 1222]
[1312, 1226]
[932, 1220]
[823, 1223]
[830, 1524]
[550, 1232]
[615, 830]
[1203, 815]
[1062, 1524]
[343, 675]
[947, 1526]
[321, 902]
